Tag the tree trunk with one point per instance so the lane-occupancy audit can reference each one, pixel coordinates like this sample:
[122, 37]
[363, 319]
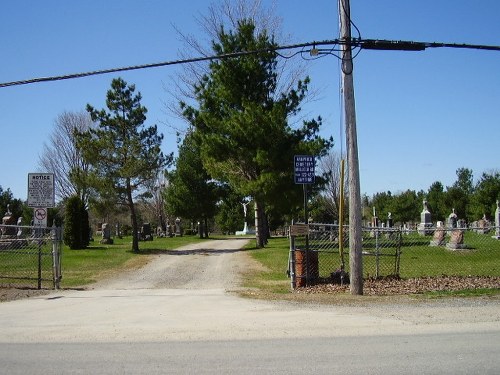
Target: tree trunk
[206, 227]
[260, 235]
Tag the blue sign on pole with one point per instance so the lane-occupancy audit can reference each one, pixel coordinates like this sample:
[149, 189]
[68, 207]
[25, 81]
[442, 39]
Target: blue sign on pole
[304, 169]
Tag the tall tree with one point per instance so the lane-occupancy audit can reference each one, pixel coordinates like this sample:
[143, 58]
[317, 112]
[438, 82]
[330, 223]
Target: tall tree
[243, 128]
[191, 192]
[458, 195]
[405, 206]
[76, 224]
[61, 156]
[436, 201]
[124, 153]
[486, 193]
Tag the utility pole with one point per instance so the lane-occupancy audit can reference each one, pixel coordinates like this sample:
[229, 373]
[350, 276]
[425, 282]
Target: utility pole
[355, 229]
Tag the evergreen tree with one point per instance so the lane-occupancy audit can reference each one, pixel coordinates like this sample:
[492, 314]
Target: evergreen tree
[76, 224]
[191, 192]
[486, 194]
[124, 154]
[436, 201]
[242, 122]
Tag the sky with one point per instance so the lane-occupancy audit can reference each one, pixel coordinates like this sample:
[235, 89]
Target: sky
[420, 115]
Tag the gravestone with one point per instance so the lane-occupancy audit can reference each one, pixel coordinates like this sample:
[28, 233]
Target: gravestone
[374, 224]
[8, 219]
[106, 234]
[439, 238]
[390, 222]
[425, 226]
[456, 241]
[497, 221]
[483, 225]
[98, 231]
[452, 219]
[19, 233]
[146, 234]
[178, 228]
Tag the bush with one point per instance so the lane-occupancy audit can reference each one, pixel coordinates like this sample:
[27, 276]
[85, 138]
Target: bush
[76, 224]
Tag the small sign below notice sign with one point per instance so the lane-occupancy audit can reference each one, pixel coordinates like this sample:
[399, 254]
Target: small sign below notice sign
[41, 190]
[40, 217]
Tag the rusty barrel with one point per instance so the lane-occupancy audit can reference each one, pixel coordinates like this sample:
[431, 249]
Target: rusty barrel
[306, 267]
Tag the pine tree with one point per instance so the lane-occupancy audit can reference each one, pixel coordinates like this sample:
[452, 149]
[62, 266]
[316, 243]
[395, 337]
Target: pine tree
[124, 154]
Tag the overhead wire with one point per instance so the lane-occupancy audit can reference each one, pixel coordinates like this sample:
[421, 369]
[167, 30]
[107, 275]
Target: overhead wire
[358, 43]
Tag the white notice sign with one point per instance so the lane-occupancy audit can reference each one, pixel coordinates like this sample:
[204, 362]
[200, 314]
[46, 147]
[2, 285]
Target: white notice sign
[41, 190]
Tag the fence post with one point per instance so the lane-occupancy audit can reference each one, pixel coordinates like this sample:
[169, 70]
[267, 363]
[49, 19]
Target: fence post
[40, 241]
[291, 262]
[56, 255]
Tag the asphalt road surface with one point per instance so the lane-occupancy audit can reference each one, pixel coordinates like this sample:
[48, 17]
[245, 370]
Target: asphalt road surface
[178, 315]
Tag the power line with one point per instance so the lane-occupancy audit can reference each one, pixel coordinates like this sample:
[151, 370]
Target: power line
[373, 44]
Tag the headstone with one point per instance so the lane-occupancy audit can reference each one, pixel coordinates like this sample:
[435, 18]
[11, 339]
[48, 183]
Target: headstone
[390, 222]
[456, 240]
[425, 226]
[178, 227]
[106, 234]
[497, 221]
[146, 234]
[19, 233]
[482, 226]
[8, 219]
[452, 220]
[439, 238]
[98, 231]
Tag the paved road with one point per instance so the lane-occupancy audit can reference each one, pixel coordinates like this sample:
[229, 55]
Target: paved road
[177, 315]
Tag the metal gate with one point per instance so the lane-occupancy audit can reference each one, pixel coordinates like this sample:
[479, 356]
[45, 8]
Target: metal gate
[30, 255]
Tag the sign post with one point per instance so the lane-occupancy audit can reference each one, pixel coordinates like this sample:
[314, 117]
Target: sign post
[304, 174]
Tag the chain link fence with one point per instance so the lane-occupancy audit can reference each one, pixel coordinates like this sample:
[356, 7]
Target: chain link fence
[316, 257]
[30, 256]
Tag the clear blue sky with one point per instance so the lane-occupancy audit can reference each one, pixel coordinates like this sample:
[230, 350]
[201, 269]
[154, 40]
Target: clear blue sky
[420, 115]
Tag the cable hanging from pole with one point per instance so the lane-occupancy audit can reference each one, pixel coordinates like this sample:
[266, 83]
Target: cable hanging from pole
[306, 49]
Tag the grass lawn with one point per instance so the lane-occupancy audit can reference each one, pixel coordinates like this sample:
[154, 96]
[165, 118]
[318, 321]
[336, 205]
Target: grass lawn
[417, 259]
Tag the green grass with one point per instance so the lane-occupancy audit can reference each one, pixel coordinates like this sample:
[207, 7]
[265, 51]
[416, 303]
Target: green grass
[417, 259]
[481, 258]
[274, 259]
[480, 292]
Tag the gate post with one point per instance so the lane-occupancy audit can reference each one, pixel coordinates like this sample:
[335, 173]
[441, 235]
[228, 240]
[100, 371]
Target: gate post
[56, 256]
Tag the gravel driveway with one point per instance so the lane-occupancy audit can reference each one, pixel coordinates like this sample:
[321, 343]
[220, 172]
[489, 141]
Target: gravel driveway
[216, 264]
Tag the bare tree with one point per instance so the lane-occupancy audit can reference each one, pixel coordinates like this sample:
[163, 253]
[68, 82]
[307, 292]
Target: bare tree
[226, 14]
[330, 166]
[61, 157]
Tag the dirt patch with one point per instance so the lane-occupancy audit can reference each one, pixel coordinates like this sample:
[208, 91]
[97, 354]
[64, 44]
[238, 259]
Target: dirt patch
[11, 294]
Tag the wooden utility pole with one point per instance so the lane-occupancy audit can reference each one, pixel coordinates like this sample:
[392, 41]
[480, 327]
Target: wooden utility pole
[355, 229]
